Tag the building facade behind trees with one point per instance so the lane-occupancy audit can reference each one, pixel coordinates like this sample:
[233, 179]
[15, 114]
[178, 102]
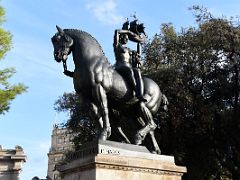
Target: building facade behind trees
[60, 144]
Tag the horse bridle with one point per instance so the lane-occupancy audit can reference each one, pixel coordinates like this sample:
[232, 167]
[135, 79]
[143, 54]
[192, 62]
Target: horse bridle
[64, 66]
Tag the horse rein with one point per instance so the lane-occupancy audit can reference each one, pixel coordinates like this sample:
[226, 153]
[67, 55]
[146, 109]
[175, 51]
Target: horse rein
[64, 66]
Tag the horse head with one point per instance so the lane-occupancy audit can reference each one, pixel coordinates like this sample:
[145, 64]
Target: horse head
[62, 44]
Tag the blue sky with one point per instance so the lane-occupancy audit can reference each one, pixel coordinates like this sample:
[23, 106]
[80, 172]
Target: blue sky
[32, 23]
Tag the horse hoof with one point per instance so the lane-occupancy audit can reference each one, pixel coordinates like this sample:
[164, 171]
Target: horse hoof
[138, 140]
[103, 137]
[158, 151]
[105, 134]
[126, 142]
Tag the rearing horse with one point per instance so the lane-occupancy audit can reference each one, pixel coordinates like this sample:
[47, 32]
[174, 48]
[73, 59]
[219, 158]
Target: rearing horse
[101, 85]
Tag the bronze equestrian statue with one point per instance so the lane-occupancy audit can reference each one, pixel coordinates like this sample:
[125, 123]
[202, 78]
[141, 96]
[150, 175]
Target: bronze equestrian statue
[100, 85]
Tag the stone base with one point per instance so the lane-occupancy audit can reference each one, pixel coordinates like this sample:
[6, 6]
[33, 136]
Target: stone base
[101, 165]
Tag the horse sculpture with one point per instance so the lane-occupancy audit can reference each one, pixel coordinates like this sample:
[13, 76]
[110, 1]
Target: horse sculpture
[103, 87]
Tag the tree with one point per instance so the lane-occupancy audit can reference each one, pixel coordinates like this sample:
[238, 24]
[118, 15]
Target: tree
[80, 122]
[8, 92]
[198, 70]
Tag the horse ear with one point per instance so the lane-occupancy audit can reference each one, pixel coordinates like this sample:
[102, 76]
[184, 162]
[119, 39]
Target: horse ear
[60, 30]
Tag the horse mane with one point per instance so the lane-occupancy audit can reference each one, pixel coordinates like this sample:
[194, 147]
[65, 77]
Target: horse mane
[76, 33]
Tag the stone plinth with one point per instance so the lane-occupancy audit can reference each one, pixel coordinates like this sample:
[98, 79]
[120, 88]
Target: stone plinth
[107, 160]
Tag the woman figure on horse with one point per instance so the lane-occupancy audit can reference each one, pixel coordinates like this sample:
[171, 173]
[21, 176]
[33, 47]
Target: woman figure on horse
[127, 60]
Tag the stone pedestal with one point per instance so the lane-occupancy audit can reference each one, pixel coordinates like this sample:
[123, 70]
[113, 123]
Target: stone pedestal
[106, 160]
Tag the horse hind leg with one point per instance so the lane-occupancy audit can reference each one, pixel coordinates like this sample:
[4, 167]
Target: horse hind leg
[116, 126]
[149, 127]
[122, 134]
[147, 123]
[155, 144]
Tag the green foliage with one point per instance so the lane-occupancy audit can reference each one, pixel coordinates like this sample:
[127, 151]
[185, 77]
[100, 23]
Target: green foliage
[8, 92]
[80, 122]
[198, 69]
[5, 36]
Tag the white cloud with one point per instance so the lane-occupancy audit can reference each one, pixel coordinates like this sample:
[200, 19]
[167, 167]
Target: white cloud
[105, 11]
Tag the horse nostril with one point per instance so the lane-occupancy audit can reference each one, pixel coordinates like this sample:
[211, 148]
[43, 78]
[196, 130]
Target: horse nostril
[58, 54]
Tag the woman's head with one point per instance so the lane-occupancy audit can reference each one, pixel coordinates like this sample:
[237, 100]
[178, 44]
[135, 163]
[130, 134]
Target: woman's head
[123, 39]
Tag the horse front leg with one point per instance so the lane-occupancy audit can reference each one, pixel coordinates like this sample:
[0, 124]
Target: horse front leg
[101, 101]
